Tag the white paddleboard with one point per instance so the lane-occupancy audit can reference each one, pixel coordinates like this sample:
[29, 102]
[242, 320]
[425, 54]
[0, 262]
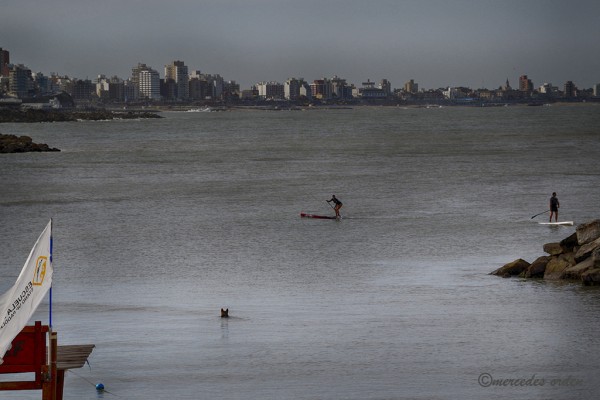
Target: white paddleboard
[557, 223]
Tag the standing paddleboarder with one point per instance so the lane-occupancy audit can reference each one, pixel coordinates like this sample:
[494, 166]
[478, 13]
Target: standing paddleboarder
[338, 205]
[554, 205]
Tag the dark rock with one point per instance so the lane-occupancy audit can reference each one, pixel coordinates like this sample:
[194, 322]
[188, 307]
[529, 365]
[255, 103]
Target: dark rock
[537, 268]
[575, 271]
[588, 232]
[569, 243]
[553, 249]
[596, 257]
[514, 268]
[569, 257]
[34, 116]
[556, 267]
[575, 257]
[21, 144]
[591, 277]
[586, 250]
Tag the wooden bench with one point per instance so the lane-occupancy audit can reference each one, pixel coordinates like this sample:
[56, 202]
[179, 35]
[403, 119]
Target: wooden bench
[69, 357]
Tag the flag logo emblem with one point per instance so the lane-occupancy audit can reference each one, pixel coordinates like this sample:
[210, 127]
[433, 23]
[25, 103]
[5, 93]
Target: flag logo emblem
[40, 271]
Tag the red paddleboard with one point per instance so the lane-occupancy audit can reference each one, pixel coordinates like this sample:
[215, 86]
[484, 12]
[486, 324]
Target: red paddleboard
[305, 215]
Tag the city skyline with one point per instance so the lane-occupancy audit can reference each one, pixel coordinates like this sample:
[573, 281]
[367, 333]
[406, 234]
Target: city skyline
[438, 44]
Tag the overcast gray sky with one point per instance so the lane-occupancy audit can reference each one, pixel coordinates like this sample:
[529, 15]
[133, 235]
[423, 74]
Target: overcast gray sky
[438, 43]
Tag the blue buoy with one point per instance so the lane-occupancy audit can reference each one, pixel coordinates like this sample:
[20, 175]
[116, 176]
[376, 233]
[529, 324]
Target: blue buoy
[100, 387]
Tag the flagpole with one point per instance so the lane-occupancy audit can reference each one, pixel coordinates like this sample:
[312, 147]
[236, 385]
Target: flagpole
[50, 299]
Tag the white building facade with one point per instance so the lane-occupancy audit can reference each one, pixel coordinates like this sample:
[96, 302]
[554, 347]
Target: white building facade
[149, 83]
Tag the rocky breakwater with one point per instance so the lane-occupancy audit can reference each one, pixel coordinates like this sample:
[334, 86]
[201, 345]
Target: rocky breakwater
[575, 258]
[71, 115]
[21, 144]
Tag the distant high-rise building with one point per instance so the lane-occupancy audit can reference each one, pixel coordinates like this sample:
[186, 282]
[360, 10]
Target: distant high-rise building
[386, 86]
[83, 89]
[305, 90]
[102, 87]
[168, 89]
[110, 89]
[216, 83]
[411, 87]
[339, 88]
[116, 89]
[231, 90]
[149, 84]
[270, 90]
[596, 89]
[178, 72]
[42, 84]
[60, 84]
[146, 82]
[319, 89]
[135, 79]
[546, 88]
[570, 90]
[130, 91]
[249, 94]
[291, 89]
[135, 73]
[334, 88]
[525, 84]
[198, 87]
[20, 81]
[210, 86]
[4, 61]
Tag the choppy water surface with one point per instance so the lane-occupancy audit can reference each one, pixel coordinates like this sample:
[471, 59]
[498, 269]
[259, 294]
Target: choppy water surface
[160, 223]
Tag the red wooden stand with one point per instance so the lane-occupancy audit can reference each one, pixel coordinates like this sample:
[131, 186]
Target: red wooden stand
[28, 354]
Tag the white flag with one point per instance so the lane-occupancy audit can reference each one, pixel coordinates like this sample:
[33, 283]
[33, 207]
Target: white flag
[19, 303]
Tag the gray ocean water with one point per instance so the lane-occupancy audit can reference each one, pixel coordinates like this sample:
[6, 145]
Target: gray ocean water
[160, 223]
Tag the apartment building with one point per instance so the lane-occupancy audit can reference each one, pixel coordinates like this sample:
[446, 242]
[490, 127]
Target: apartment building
[146, 82]
[20, 82]
[4, 61]
[270, 90]
[149, 84]
[177, 72]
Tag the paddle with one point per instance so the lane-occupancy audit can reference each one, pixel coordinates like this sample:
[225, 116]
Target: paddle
[540, 214]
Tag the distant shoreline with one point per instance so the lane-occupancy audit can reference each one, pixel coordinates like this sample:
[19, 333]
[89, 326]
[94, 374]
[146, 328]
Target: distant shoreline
[286, 106]
[153, 111]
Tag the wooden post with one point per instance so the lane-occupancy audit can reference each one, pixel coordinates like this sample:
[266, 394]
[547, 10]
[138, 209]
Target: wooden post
[49, 384]
[46, 384]
[53, 357]
[60, 384]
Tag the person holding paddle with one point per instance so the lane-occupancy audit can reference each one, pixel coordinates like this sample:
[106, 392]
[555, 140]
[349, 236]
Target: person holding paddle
[338, 205]
[554, 205]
